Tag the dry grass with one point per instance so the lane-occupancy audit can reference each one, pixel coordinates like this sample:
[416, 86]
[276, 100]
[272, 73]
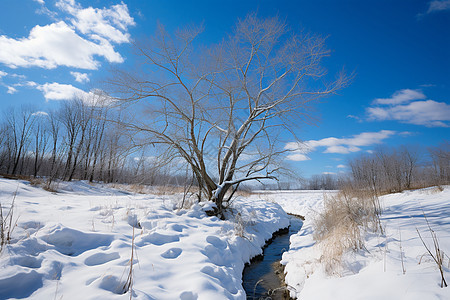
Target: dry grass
[149, 189]
[128, 285]
[434, 251]
[7, 223]
[342, 224]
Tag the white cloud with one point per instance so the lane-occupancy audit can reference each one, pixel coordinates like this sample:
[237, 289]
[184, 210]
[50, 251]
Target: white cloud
[341, 149]
[298, 157]
[406, 133]
[355, 117]
[80, 77]
[410, 106]
[3, 74]
[428, 113]
[54, 45]
[20, 76]
[11, 90]
[336, 145]
[58, 91]
[438, 5]
[352, 144]
[401, 96]
[341, 166]
[328, 173]
[107, 23]
[40, 2]
[40, 114]
[59, 44]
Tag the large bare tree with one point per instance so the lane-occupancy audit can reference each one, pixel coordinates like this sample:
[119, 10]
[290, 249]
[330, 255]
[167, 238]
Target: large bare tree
[221, 108]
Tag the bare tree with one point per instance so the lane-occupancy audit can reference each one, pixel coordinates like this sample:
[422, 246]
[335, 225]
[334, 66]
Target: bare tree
[19, 128]
[221, 108]
[440, 156]
[410, 158]
[366, 172]
[323, 182]
[391, 175]
[41, 138]
[69, 116]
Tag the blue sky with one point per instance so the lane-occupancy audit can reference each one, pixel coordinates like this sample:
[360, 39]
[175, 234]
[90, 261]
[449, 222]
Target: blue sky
[399, 51]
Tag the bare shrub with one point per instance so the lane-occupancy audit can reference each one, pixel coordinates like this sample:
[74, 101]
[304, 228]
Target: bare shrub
[340, 226]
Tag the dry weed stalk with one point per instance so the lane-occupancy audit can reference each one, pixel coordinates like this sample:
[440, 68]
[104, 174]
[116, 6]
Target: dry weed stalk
[128, 286]
[6, 223]
[436, 252]
[401, 252]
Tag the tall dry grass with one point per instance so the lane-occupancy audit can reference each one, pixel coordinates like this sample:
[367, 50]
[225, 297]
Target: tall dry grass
[341, 225]
[7, 223]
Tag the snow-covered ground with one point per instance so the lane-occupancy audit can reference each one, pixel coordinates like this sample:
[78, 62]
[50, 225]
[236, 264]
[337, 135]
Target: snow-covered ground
[77, 244]
[377, 273]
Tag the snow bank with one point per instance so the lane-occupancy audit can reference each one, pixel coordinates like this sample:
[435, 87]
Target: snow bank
[77, 244]
[395, 265]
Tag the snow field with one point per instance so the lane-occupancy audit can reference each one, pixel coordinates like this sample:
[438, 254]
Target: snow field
[77, 244]
[395, 264]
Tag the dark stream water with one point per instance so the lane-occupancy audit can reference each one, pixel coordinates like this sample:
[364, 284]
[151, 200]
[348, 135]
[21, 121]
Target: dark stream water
[260, 279]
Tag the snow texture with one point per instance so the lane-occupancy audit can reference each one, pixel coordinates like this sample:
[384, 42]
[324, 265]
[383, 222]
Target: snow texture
[375, 273]
[76, 244]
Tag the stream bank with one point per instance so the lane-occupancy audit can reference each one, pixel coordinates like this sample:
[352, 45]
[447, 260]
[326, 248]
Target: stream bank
[262, 278]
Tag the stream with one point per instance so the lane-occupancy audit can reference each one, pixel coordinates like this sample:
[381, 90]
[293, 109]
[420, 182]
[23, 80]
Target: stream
[260, 278]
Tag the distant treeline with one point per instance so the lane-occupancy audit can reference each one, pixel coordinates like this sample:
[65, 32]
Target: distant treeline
[75, 141]
[388, 170]
[86, 142]
[402, 168]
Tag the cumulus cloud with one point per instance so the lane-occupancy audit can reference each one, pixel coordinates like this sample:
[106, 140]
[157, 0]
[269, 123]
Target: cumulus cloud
[409, 106]
[352, 144]
[299, 151]
[401, 96]
[3, 74]
[438, 5]
[298, 157]
[59, 91]
[60, 44]
[40, 114]
[107, 23]
[54, 45]
[40, 2]
[355, 117]
[341, 166]
[80, 77]
[428, 113]
[11, 90]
